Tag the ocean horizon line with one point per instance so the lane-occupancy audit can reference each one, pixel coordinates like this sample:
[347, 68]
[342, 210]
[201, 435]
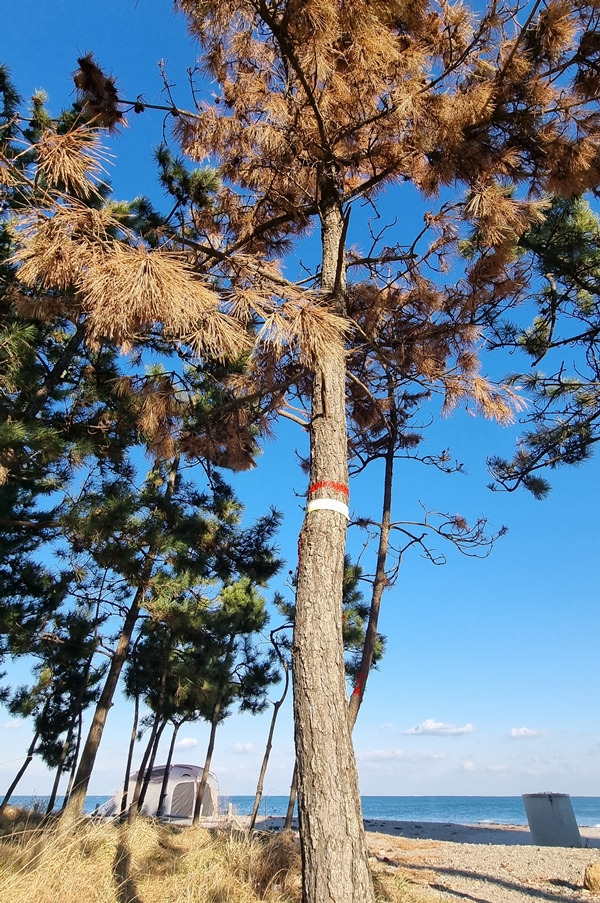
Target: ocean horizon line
[445, 808]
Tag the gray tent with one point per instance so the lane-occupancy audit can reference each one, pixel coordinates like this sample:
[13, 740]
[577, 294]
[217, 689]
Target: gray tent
[182, 792]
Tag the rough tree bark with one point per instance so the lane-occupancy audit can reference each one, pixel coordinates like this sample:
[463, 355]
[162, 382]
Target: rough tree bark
[334, 853]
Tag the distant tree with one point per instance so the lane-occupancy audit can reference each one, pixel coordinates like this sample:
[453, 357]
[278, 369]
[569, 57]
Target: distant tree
[282, 652]
[24, 703]
[64, 688]
[81, 672]
[170, 546]
[238, 672]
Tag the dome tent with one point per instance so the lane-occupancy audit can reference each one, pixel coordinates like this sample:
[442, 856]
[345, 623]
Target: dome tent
[180, 798]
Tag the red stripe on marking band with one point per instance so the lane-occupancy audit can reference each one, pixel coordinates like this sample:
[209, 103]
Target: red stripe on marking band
[329, 484]
[360, 684]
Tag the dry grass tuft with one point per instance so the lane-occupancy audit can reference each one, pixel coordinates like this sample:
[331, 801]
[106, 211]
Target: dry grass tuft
[146, 862]
[143, 863]
[397, 888]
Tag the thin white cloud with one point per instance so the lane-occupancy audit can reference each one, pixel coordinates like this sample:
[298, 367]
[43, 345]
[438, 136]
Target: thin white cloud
[517, 732]
[497, 768]
[440, 728]
[386, 727]
[382, 755]
[243, 747]
[186, 743]
[11, 725]
[469, 765]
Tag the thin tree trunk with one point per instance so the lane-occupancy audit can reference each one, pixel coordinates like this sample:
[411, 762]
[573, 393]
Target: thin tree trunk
[151, 763]
[380, 582]
[165, 783]
[263, 770]
[207, 764]
[74, 806]
[135, 802]
[136, 718]
[75, 760]
[332, 837]
[289, 815]
[59, 770]
[157, 729]
[20, 773]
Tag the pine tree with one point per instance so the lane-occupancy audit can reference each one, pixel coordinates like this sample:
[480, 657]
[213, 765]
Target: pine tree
[72, 413]
[319, 106]
[169, 547]
[237, 672]
[561, 343]
[65, 686]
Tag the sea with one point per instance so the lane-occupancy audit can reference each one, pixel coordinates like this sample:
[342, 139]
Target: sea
[461, 810]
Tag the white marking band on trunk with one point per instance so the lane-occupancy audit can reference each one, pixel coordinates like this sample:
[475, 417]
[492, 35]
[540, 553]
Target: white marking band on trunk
[329, 505]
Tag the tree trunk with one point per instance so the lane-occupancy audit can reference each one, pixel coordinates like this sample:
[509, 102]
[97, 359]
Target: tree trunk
[75, 759]
[142, 770]
[263, 770]
[74, 807]
[207, 763]
[165, 783]
[380, 582]
[88, 669]
[59, 769]
[289, 815]
[157, 728]
[20, 773]
[151, 763]
[136, 718]
[334, 852]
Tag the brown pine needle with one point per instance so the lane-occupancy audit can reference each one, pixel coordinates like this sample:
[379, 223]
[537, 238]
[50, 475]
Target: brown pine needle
[72, 161]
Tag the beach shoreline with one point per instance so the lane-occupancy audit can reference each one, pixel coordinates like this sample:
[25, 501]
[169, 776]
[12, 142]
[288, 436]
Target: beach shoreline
[447, 832]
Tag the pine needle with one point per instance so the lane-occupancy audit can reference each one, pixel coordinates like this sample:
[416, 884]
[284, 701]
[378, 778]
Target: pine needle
[131, 288]
[72, 161]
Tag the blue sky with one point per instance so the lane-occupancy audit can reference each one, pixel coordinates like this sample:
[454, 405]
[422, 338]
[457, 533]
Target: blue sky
[491, 677]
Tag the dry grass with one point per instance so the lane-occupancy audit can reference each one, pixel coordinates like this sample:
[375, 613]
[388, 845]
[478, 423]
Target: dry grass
[151, 863]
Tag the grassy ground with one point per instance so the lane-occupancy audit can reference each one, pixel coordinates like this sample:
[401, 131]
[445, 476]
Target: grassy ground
[152, 863]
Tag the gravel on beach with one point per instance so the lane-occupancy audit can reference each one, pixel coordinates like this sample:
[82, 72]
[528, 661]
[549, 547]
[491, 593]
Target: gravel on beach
[485, 872]
[477, 863]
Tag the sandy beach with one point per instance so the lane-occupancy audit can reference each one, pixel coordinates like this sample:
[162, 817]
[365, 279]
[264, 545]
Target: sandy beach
[477, 863]
[483, 864]
[507, 835]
